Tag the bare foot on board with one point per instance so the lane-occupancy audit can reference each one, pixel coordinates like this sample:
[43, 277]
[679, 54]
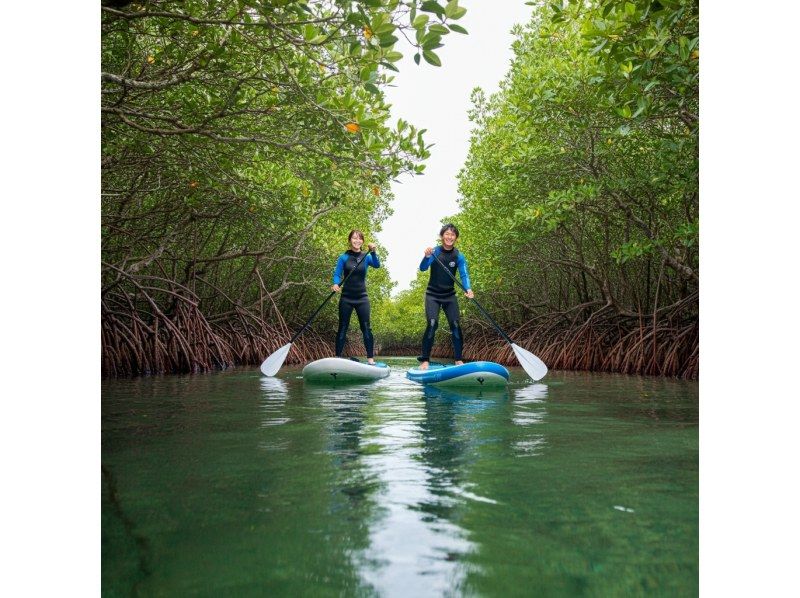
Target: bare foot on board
[459, 362]
[371, 361]
[423, 365]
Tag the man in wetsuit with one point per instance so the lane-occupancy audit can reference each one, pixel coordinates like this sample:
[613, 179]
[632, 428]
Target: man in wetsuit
[353, 264]
[441, 294]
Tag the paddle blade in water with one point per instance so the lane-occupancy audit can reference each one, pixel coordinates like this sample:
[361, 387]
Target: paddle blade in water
[274, 362]
[532, 365]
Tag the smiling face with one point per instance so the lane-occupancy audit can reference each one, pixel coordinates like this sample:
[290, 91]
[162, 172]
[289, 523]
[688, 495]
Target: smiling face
[448, 238]
[356, 240]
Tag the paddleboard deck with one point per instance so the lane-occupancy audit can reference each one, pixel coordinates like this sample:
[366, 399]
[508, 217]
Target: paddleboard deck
[336, 369]
[476, 374]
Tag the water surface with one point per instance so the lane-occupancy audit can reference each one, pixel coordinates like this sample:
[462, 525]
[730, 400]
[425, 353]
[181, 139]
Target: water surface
[234, 484]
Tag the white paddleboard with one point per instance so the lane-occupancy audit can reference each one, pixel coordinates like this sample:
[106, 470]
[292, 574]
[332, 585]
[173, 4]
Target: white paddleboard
[336, 369]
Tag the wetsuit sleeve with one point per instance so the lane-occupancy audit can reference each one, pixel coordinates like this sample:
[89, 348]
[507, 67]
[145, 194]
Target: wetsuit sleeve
[427, 261]
[462, 271]
[337, 272]
[372, 260]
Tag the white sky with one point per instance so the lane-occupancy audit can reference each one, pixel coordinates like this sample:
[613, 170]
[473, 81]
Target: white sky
[437, 99]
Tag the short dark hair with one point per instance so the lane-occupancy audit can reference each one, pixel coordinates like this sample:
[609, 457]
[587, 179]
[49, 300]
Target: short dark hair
[447, 227]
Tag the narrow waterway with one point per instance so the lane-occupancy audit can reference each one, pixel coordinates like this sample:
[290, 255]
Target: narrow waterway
[234, 484]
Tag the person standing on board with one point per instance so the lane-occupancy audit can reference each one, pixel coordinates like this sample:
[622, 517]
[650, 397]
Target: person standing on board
[441, 294]
[354, 293]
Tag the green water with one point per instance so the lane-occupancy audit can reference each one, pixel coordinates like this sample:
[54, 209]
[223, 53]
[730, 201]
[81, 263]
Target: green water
[230, 484]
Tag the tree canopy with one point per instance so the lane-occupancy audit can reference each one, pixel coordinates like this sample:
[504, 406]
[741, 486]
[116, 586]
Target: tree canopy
[241, 140]
[579, 196]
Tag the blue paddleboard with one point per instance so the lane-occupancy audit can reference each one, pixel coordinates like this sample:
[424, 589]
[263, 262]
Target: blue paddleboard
[475, 374]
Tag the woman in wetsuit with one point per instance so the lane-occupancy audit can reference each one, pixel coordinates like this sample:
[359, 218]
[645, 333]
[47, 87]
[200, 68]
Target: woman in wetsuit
[441, 294]
[354, 292]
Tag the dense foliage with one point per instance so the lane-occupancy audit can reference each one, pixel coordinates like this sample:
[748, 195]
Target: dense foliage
[580, 191]
[241, 140]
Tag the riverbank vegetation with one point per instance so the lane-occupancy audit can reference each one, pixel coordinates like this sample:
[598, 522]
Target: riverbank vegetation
[580, 194]
[242, 140]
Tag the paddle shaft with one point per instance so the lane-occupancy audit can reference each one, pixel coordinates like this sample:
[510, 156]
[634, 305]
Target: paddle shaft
[328, 298]
[311, 319]
[475, 301]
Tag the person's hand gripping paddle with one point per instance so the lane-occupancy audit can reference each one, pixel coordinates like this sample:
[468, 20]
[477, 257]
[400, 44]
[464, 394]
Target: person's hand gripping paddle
[274, 362]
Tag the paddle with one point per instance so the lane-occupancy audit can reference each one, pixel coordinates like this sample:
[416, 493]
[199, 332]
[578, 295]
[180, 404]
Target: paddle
[532, 365]
[274, 362]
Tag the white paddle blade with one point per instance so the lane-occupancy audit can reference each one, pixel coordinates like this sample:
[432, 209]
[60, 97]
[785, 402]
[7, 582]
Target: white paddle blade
[274, 362]
[532, 365]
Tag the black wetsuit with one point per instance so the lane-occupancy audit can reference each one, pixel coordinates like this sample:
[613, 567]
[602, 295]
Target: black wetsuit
[354, 296]
[441, 294]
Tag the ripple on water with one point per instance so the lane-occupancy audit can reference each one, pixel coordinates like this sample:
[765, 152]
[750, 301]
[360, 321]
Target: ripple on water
[234, 480]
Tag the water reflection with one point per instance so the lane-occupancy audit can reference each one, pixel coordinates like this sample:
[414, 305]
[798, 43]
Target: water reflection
[238, 483]
[275, 392]
[529, 411]
[472, 415]
[416, 543]
[273, 387]
[467, 396]
[318, 486]
[530, 393]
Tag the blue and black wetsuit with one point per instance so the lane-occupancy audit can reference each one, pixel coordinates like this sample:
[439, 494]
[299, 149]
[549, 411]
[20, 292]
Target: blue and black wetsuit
[441, 294]
[354, 295]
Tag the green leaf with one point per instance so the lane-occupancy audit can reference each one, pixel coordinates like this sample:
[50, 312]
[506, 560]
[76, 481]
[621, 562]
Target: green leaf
[387, 41]
[390, 66]
[393, 56]
[458, 13]
[440, 29]
[432, 6]
[683, 48]
[371, 88]
[420, 21]
[368, 73]
[641, 104]
[416, 57]
[385, 28]
[598, 47]
[431, 58]
[458, 29]
[378, 20]
[431, 42]
[355, 18]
